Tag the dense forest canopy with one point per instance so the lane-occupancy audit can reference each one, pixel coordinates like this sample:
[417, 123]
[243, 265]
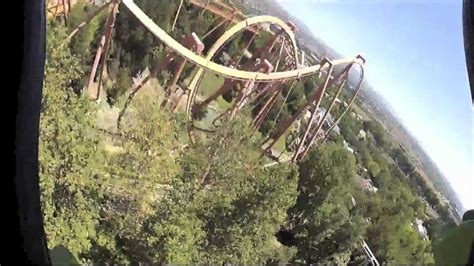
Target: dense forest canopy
[148, 195]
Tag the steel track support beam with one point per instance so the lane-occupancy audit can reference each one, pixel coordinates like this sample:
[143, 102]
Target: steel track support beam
[266, 109]
[160, 64]
[107, 44]
[85, 22]
[193, 43]
[323, 118]
[98, 56]
[177, 15]
[315, 111]
[286, 124]
[226, 87]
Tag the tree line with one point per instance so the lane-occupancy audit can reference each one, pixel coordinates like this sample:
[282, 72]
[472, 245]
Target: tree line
[146, 195]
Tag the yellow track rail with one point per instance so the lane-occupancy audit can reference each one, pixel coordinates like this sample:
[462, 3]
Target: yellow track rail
[225, 38]
[223, 70]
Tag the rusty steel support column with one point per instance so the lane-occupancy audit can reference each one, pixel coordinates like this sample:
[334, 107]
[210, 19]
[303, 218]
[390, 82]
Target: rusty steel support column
[266, 108]
[264, 98]
[287, 64]
[214, 28]
[341, 85]
[264, 67]
[262, 52]
[289, 121]
[160, 64]
[63, 2]
[316, 108]
[248, 45]
[193, 43]
[257, 93]
[286, 98]
[340, 117]
[240, 101]
[266, 49]
[305, 134]
[179, 101]
[68, 6]
[94, 66]
[346, 74]
[98, 55]
[205, 7]
[176, 74]
[279, 55]
[226, 87]
[177, 15]
[231, 19]
[274, 56]
[343, 75]
[264, 90]
[85, 22]
[358, 88]
[56, 8]
[268, 104]
[107, 44]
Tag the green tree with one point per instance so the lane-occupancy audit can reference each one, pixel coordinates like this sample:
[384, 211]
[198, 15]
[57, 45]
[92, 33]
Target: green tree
[277, 113]
[152, 140]
[224, 208]
[86, 40]
[403, 161]
[201, 26]
[68, 153]
[310, 85]
[392, 234]
[382, 179]
[379, 134]
[433, 228]
[121, 85]
[135, 40]
[348, 129]
[261, 40]
[319, 219]
[373, 168]
[296, 98]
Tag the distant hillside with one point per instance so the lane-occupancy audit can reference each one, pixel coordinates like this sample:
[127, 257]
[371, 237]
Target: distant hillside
[304, 35]
[378, 107]
[371, 100]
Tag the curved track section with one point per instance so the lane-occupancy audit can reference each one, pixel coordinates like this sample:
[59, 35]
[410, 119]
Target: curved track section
[205, 63]
[219, 69]
[250, 22]
[358, 89]
[226, 37]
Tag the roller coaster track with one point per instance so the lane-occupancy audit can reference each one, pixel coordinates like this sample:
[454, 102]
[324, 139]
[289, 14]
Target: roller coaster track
[250, 77]
[224, 70]
[226, 37]
[206, 64]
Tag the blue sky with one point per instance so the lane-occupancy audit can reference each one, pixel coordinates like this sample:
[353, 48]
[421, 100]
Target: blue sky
[415, 59]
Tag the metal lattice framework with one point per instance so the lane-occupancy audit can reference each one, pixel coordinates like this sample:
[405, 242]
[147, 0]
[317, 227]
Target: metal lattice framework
[260, 80]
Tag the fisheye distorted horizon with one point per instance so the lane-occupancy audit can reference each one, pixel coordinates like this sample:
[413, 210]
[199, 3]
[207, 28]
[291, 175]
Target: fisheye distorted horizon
[416, 61]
